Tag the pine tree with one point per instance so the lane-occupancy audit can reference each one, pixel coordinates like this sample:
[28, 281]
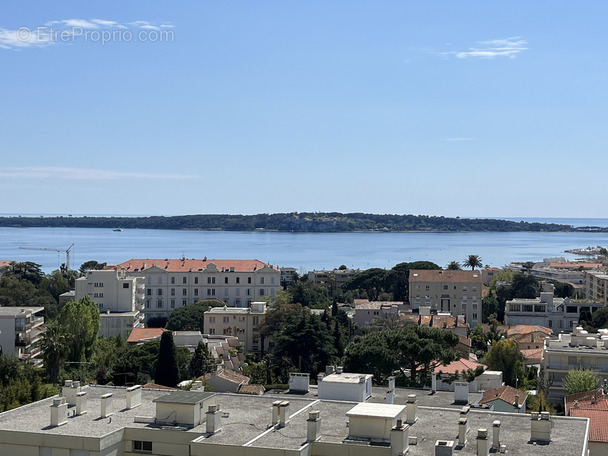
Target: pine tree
[202, 361]
[167, 372]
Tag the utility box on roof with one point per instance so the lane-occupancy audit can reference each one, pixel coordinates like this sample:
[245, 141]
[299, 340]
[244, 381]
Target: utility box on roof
[346, 387]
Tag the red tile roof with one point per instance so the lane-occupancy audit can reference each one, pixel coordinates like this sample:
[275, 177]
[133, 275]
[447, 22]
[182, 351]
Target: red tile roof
[533, 355]
[187, 265]
[228, 374]
[460, 365]
[585, 405]
[139, 335]
[527, 329]
[506, 394]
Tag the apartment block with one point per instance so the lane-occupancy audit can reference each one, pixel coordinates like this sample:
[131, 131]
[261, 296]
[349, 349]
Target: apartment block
[332, 279]
[174, 283]
[596, 287]
[21, 329]
[456, 292]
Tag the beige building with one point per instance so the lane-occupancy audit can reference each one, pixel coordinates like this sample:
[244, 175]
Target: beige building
[98, 421]
[579, 350]
[21, 330]
[238, 322]
[456, 292]
[120, 299]
[596, 287]
[368, 311]
[174, 283]
[332, 279]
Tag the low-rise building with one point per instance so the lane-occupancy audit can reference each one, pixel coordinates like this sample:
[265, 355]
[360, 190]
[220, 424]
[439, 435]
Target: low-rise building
[456, 292]
[288, 275]
[529, 337]
[367, 311]
[21, 329]
[594, 406]
[332, 279]
[505, 399]
[239, 322]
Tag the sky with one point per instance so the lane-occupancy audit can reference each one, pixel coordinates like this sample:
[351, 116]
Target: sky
[471, 109]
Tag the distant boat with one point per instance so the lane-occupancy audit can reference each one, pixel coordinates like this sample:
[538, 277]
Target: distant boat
[117, 229]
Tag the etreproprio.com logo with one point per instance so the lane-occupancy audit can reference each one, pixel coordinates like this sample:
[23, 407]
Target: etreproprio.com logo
[73, 34]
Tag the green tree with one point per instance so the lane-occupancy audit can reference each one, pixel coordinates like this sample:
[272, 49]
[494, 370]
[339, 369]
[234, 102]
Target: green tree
[505, 356]
[581, 380]
[55, 348]
[524, 286]
[599, 318]
[191, 318]
[418, 349]
[25, 270]
[202, 361]
[472, 261]
[167, 370]
[81, 320]
[490, 306]
[309, 295]
[527, 266]
[453, 266]
[91, 265]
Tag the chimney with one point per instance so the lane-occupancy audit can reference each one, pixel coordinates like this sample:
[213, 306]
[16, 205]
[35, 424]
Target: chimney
[391, 382]
[133, 397]
[213, 419]
[106, 405]
[390, 396]
[444, 448]
[59, 412]
[276, 412]
[463, 428]
[461, 392]
[483, 447]
[284, 413]
[540, 427]
[516, 401]
[197, 385]
[400, 438]
[339, 370]
[496, 435]
[434, 383]
[411, 409]
[69, 391]
[314, 426]
[330, 370]
[81, 403]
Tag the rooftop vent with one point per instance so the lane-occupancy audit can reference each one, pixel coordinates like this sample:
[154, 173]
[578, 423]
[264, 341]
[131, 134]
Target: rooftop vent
[540, 427]
[59, 412]
[400, 439]
[81, 403]
[444, 448]
[483, 447]
[313, 426]
[213, 419]
[411, 409]
[133, 397]
[106, 405]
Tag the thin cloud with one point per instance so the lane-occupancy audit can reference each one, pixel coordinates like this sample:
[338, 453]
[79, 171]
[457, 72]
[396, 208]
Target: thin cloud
[54, 172]
[506, 47]
[24, 38]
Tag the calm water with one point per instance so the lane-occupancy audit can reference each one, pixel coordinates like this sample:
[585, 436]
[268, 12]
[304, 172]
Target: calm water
[304, 251]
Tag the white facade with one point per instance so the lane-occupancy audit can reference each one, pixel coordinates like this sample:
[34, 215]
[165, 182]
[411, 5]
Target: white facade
[21, 330]
[346, 387]
[238, 322]
[174, 283]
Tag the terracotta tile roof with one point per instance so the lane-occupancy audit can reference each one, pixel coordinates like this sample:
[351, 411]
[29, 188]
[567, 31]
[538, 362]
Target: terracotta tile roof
[427, 275]
[459, 365]
[575, 265]
[139, 335]
[156, 386]
[251, 389]
[527, 329]
[506, 394]
[230, 375]
[5, 263]
[585, 405]
[533, 356]
[584, 396]
[447, 321]
[179, 265]
[425, 320]
[598, 423]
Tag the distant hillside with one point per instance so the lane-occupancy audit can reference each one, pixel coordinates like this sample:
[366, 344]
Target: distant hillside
[294, 222]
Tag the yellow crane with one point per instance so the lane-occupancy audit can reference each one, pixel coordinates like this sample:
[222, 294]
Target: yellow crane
[67, 253]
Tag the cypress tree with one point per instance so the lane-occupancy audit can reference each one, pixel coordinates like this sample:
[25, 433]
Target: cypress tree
[167, 372]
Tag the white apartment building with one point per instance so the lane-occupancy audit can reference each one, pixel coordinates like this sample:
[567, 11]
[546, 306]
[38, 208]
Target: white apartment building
[21, 330]
[596, 287]
[239, 322]
[174, 283]
[559, 314]
[456, 292]
[120, 299]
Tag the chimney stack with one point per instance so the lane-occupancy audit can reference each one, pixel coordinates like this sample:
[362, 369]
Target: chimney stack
[81, 403]
[463, 428]
[496, 435]
[483, 447]
[400, 438]
[133, 397]
[444, 448]
[540, 427]
[314, 426]
[197, 385]
[461, 392]
[59, 411]
[390, 396]
[213, 419]
[69, 390]
[276, 412]
[283, 414]
[411, 409]
[106, 405]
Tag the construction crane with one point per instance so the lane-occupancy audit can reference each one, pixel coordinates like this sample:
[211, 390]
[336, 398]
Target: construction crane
[67, 253]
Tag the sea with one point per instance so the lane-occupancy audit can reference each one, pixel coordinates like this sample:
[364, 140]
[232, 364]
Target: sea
[304, 251]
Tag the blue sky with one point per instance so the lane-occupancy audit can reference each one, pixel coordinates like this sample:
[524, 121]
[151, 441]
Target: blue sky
[428, 107]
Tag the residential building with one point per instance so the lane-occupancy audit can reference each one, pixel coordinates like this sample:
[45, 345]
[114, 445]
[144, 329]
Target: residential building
[174, 283]
[445, 378]
[579, 350]
[558, 314]
[21, 330]
[596, 287]
[120, 299]
[239, 322]
[505, 399]
[143, 335]
[109, 421]
[529, 336]
[226, 381]
[287, 275]
[456, 292]
[332, 279]
[594, 406]
[367, 311]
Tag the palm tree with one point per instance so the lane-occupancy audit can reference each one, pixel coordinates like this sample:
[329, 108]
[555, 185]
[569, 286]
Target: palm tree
[55, 346]
[473, 261]
[454, 266]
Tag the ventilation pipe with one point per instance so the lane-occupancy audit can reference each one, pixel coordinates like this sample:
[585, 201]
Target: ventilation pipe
[59, 412]
[411, 409]
[81, 403]
[313, 426]
[284, 414]
[400, 439]
[106, 405]
[444, 448]
[483, 447]
[213, 419]
[496, 435]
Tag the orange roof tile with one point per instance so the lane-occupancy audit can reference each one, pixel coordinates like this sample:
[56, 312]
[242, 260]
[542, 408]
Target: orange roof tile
[230, 375]
[598, 423]
[527, 329]
[506, 394]
[585, 405]
[428, 275]
[144, 334]
[459, 365]
[533, 355]
[187, 265]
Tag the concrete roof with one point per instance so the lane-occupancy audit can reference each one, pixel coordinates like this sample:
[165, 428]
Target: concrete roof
[345, 378]
[184, 397]
[11, 311]
[376, 410]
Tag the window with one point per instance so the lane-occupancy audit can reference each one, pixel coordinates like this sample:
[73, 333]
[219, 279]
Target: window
[125, 285]
[238, 280]
[98, 284]
[160, 280]
[262, 280]
[248, 279]
[225, 279]
[172, 280]
[184, 302]
[150, 280]
[184, 292]
[149, 291]
[248, 291]
[173, 303]
[211, 319]
[464, 307]
[474, 316]
[238, 292]
[196, 280]
[237, 302]
[142, 445]
[211, 330]
[159, 303]
[445, 287]
[550, 323]
[159, 292]
[172, 291]
[262, 292]
[147, 303]
[210, 291]
[226, 319]
[474, 288]
[464, 288]
[225, 291]
[184, 280]
[210, 280]
[196, 292]
[428, 288]
[272, 281]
